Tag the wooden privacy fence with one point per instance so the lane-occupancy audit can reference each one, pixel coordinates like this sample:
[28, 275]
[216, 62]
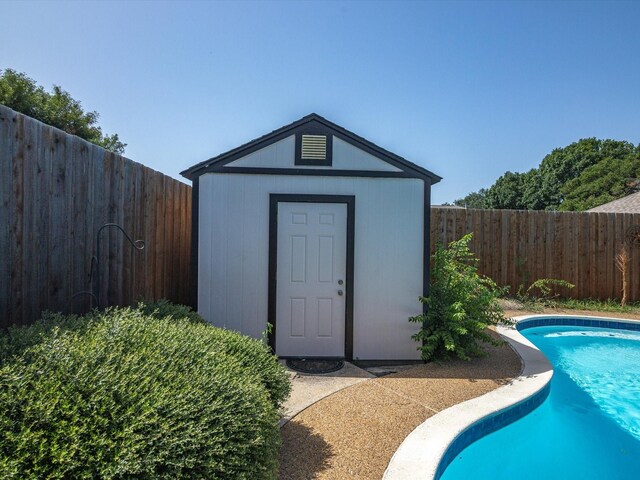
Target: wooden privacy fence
[56, 191]
[518, 247]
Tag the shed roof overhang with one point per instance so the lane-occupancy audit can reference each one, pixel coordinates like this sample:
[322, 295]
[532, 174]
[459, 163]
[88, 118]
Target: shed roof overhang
[407, 168]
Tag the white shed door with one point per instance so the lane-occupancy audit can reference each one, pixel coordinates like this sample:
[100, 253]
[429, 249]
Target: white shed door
[311, 276]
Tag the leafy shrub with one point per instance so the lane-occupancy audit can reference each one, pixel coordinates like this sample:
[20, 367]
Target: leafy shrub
[252, 354]
[541, 292]
[255, 356]
[16, 340]
[460, 306]
[165, 309]
[129, 395]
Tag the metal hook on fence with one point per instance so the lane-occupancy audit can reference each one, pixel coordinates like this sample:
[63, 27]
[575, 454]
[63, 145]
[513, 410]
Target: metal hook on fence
[137, 244]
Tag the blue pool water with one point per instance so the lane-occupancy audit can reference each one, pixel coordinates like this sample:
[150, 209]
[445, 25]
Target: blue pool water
[589, 425]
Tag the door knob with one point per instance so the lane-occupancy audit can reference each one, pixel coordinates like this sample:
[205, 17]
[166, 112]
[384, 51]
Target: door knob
[340, 282]
[340, 292]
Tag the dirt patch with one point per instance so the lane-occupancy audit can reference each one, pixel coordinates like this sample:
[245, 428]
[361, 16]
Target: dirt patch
[511, 304]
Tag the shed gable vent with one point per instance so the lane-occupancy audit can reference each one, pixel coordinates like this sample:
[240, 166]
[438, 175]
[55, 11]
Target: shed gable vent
[314, 147]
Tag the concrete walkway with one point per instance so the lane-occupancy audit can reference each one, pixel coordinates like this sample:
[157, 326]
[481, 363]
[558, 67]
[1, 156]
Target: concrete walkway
[308, 389]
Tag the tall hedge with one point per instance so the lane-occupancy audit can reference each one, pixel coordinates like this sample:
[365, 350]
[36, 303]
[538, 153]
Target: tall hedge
[129, 393]
[251, 353]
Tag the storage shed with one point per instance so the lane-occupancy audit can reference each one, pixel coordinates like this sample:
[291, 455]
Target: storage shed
[319, 232]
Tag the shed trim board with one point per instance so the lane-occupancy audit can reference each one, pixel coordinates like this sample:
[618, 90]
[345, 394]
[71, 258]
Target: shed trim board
[195, 225]
[426, 254]
[310, 172]
[350, 201]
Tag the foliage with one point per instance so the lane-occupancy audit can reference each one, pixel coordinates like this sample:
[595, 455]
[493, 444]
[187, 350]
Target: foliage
[541, 292]
[253, 354]
[58, 109]
[124, 394]
[507, 192]
[543, 287]
[473, 200]
[165, 309]
[607, 180]
[460, 306]
[609, 305]
[565, 164]
[580, 176]
[15, 341]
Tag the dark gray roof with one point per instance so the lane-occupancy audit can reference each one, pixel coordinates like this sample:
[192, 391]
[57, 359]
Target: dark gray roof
[628, 204]
[261, 142]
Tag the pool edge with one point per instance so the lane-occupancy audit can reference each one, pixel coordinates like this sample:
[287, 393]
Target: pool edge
[424, 452]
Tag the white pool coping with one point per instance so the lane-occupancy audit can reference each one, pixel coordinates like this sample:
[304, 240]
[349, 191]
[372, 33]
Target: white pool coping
[420, 453]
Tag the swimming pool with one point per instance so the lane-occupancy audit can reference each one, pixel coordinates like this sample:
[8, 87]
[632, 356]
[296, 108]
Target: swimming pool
[588, 427]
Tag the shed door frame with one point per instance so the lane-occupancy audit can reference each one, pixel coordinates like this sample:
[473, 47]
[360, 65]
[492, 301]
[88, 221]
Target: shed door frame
[350, 201]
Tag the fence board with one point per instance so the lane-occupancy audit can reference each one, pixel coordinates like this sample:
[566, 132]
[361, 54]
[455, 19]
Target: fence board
[504, 246]
[138, 223]
[57, 219]
[16, 215]
[621, 220]
[594, 252]
[548, 244]
[583, 257]
[127, 203]
[186, 243]
[36, 183]
[149, 226]
[81, 238]
[175, 241]
[159, 237]
[97, 213]
[7, 143]
[626, 220]
[168, 232]
[605, 282]
[574, 244]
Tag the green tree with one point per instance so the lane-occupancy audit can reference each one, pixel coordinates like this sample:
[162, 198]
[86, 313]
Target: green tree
[507, 192]
[473, 200]
[531, 198]
[607, 180]
[58, 109]
[580, 176]
[564, 164]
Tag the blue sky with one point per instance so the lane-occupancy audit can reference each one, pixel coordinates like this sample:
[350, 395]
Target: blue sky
[468, 90]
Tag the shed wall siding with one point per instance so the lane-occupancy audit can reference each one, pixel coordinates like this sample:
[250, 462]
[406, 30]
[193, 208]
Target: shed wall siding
[281, 154]
[349, 157]
[277, 155]
[234, 243]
